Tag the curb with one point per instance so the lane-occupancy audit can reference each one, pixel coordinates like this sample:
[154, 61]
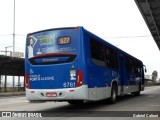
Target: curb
[12, 94]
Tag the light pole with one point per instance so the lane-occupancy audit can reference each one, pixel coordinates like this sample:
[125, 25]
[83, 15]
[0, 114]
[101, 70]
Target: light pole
[14, 13]
[14, 29]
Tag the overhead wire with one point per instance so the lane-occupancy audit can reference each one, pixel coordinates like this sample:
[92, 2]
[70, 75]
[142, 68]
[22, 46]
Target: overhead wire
[128, 36]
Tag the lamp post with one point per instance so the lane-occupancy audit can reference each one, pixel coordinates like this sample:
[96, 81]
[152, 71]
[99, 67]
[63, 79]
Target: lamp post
[14, 13]
[14, 29]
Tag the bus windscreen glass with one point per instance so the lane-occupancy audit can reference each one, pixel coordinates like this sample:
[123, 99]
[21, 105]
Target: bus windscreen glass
[49, 42]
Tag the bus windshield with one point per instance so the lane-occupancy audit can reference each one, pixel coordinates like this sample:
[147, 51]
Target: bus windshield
[54, 46]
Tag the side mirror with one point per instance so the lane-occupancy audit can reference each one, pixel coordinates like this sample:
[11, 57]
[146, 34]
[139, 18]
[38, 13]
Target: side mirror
[145, 70]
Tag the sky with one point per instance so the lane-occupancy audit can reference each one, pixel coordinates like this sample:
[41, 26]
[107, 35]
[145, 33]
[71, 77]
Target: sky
[117, 21]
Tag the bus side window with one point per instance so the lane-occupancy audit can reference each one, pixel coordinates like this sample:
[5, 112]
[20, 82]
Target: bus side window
[114, 59]
[129, 66]
[133, 66]
[97, 52]
[107, 57]
[110, 58]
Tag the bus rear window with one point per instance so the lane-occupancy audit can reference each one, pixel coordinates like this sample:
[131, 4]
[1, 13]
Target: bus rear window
[48, 42]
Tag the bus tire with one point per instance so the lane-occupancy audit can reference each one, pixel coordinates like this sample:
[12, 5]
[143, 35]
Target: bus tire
[113, 97]
[76, 102]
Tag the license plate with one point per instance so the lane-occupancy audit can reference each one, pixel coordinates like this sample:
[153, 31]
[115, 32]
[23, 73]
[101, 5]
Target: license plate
[51, 94]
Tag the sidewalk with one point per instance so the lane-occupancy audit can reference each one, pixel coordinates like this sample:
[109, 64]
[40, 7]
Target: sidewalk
[5, 94]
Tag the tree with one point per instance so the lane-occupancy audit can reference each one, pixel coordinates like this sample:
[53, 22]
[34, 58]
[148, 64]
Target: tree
[154, 75]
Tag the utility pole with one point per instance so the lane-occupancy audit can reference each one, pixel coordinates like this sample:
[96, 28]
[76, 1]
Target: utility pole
[14, 13]
[14, 29]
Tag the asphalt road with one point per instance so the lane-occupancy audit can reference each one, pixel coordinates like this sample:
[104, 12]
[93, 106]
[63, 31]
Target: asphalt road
[149, 100]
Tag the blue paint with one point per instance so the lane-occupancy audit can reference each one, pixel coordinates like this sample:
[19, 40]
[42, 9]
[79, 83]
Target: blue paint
[56, 74]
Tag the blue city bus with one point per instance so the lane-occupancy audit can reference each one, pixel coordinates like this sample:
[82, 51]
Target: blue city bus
[74, 65]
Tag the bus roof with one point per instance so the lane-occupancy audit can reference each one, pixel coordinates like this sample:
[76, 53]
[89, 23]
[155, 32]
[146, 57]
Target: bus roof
[54, 29]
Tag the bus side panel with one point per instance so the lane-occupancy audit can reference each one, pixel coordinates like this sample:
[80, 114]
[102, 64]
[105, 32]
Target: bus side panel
[142, 78]
[97, 77]
[90, 76]
[82, 61]
[123, 78]
[132, 77]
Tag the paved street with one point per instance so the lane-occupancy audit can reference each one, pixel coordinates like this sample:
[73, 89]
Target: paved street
[148, 101]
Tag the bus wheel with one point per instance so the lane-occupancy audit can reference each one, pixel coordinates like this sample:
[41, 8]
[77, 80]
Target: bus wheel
[113, 98]
[76, 102]
[137, 93]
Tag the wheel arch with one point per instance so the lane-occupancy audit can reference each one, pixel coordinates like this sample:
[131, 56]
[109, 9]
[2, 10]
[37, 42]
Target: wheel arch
[114, 82]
